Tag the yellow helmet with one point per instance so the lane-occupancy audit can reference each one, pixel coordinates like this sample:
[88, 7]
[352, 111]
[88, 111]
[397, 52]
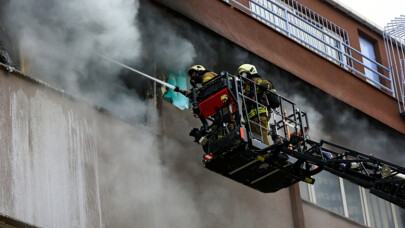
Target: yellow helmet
[248, 68]
[195, 68]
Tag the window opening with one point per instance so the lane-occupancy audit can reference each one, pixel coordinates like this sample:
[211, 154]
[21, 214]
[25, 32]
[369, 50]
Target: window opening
[353, 200]
[327, 192]
[177, 99]
[370, 68]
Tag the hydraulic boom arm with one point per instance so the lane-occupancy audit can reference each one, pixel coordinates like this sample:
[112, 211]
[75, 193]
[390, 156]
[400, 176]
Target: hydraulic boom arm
[384, 179]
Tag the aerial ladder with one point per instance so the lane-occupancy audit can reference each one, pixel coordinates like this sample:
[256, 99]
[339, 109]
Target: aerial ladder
[233, 150]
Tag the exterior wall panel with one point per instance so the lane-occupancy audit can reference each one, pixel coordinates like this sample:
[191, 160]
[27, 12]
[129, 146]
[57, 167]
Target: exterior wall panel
[316, 216]
[48, 158]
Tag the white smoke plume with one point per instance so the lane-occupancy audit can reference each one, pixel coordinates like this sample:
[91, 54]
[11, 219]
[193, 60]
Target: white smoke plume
[164, 42]
[64, 37]
[63, 41]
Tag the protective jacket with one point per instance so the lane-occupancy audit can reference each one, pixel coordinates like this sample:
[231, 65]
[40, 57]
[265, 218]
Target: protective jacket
[265, 95]
[202, 79]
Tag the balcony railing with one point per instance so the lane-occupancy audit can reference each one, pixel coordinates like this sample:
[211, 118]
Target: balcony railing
[394, 38]
[313, 31]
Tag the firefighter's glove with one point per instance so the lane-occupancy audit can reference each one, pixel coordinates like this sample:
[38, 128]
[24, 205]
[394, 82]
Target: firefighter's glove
[184, 92]
[264, 86]
[193, 82]
[274, 100]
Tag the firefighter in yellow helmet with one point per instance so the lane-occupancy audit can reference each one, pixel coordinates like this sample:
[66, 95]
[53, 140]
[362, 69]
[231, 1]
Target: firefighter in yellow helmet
[198, 77]
[266, 96]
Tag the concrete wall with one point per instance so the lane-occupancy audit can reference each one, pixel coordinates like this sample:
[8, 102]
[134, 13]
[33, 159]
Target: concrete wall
[59, 154]
[319, 217]
[48, 155]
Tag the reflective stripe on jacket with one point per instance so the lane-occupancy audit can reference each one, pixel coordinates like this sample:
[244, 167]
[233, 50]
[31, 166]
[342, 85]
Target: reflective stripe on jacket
[260, 92]
[253, 112]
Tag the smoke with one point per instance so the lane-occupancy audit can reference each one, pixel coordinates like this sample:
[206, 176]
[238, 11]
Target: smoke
[65, 37]
[164, 43]
[139, 191]
[63, 41]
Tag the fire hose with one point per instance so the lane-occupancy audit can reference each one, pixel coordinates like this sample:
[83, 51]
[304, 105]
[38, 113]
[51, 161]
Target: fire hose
[175, 88]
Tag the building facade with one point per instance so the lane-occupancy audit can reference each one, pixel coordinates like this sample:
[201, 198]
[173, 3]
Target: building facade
[66, 162]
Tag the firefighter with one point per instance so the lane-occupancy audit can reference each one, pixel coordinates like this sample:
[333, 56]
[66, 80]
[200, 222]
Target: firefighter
[266, 96]
[198, 77]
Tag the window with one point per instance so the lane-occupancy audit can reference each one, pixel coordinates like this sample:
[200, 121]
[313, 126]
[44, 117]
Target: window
[177, 99]
[352, 201]
[380, 212]
[327, 192]
[400, 216]
[370, 69]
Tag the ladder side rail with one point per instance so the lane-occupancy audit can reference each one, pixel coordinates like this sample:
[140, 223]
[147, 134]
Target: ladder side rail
[233, 88]
[389, 189]
[370, 158]
[368, 173]
[294, 118]
[364, 163]
[239, 101]
[341, 166]
[244, 109]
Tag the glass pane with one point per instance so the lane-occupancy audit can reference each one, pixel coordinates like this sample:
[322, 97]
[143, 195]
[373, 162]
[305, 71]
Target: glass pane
[353, 200]
[327, 192]
[380, 212]
[304, 190]
[367, 49]
[400, 216]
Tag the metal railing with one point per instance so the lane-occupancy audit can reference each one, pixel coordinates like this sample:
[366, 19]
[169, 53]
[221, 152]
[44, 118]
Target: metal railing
[285, 120]
[394, 38]
[318, 34]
